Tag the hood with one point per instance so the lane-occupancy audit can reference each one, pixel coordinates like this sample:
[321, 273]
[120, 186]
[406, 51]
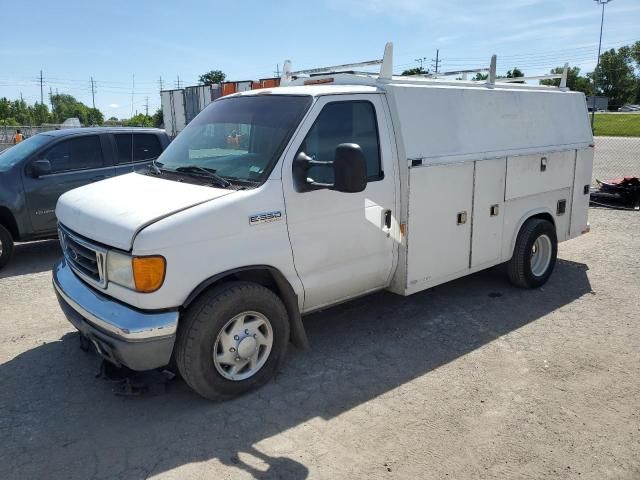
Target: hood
[113, 211]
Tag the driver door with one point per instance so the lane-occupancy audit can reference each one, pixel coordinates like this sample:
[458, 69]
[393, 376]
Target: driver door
[343, 244]
[74, 162]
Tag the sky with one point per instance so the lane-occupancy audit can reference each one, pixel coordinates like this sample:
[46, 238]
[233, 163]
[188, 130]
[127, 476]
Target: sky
[127, 46]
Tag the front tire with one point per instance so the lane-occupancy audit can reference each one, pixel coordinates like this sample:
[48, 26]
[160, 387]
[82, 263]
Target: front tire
[232, 340]
[6, 246]
[534, 255]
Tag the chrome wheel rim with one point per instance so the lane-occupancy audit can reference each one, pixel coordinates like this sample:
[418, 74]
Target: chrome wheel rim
[243, 346]
[541, 255]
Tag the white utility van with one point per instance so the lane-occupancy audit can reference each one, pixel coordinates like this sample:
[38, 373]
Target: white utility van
[274, 203]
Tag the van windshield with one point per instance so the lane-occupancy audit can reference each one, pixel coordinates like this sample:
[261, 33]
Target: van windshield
[24, 149]
[237, 138]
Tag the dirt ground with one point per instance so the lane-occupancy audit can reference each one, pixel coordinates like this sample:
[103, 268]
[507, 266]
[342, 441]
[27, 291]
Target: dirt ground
[473, 379]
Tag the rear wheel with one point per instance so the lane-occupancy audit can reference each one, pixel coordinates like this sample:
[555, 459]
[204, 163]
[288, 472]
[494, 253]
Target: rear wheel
[534, 255]
[232, 340]
[6, 246]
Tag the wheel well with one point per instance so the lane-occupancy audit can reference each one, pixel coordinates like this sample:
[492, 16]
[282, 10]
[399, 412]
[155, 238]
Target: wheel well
[8, 222]
[270, 278]
[544, 216]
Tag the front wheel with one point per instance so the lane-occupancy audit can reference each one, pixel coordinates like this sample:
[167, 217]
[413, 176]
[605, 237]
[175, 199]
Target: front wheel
[6, 246]
[232, 340]
[534, 255]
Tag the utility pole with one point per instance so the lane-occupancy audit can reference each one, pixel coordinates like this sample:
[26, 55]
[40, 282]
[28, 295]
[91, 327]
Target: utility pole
[161, 84]
[51, 97]
[21, 99]
[146, 106]
[277, 72]
[420, 61]
[437, 61]
[93, 93]
[178, 82]
[595, 72]
[41, 91]
[133, 88]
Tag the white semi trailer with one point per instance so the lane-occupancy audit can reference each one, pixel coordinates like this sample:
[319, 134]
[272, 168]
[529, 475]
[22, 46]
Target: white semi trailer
[277, 202]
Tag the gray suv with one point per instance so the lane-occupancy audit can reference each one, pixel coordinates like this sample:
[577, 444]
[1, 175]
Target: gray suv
[35, 172]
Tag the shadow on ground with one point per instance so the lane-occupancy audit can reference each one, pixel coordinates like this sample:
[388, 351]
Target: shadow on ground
[32, 257]
[58, 420]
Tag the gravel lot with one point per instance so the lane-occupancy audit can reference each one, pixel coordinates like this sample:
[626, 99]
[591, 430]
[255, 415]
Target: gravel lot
[473, 379]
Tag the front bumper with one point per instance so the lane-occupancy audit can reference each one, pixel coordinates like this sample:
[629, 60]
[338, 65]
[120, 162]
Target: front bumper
[140, 340]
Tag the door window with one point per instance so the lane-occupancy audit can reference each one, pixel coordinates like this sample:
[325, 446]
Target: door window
[123, 143]
[80, 153]
[146, 147]
[343, 122]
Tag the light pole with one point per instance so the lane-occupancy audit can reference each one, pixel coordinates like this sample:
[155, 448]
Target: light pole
[595, 72]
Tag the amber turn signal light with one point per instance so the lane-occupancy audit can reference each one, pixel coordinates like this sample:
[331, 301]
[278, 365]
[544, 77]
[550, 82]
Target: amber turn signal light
[148, 273]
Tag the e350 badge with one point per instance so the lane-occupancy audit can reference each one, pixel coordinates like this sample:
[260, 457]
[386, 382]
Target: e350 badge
[266, 217]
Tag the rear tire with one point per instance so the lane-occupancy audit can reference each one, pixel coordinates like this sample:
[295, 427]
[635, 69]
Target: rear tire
[6, 246]
[534, 255]
[232, 340]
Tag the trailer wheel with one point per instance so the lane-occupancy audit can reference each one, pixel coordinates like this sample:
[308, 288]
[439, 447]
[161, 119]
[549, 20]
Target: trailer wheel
[534, 255]
[232, 340]
[6, 246]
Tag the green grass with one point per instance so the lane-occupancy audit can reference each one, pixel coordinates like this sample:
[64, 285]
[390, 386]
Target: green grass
[617, 124]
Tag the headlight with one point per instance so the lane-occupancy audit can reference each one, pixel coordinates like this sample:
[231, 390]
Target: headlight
[143, 274]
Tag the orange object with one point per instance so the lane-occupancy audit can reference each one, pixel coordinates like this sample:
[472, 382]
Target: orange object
[270, 82]
[148, 273]
[228, 88]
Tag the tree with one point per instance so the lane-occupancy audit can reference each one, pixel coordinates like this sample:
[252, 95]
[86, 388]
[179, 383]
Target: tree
[575, 82]
[480, 76]
[214, 76]
[415, 71]
[139, 120]
[515, 73]
[158, 118]
[40, 113]
[615, 75]
[113, 119]
[65, 106]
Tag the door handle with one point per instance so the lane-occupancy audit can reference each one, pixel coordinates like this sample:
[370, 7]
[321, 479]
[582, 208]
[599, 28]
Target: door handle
[387, 219]
[461, 218]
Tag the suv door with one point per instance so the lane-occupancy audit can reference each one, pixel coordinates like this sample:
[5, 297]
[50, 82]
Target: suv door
[134, 151]
[75, 161]
[343, 243]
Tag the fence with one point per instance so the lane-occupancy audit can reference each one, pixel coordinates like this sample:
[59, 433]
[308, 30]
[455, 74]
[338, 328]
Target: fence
[617, 139]
[7, 133]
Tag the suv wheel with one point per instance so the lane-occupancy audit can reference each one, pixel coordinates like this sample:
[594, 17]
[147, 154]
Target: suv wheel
[232, 340]
[6, 246]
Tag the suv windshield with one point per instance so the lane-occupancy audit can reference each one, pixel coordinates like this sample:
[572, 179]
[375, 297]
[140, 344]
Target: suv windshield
[24, 149]
[238, 138]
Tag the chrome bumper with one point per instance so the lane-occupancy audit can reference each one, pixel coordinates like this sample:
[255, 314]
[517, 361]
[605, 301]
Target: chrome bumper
[123, 335]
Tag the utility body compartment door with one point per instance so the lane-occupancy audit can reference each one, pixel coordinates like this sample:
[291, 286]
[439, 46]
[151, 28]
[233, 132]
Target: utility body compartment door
[439, 223]
[538, 173]
[488, 212]
[581, 185]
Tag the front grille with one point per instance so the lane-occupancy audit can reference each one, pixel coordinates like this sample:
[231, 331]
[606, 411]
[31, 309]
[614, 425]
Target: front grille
[85, 258]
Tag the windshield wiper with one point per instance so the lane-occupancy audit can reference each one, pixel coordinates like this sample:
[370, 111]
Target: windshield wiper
[204, 172]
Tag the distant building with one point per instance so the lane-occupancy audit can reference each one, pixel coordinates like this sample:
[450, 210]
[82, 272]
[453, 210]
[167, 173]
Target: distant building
[602, 103]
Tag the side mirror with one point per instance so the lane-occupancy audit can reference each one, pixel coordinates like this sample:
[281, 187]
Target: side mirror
[349, 168]
[40, 168]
